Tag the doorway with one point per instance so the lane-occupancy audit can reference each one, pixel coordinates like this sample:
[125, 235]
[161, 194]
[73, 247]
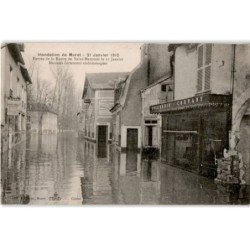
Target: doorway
[102, 141]
[150, 135]
[132, 139]
[102, 134]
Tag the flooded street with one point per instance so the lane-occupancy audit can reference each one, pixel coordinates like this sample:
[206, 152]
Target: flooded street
[62, 169]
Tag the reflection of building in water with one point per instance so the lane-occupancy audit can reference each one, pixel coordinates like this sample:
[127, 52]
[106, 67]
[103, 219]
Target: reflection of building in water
[134, 181]
[96, 183]
[129, 178]
[43, 167]
[150, 182]
[14, 176]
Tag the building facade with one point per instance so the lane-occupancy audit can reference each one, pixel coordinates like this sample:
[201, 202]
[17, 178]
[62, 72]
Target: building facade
[41, 120]
[239, 137]
[14, 81]
[126, 112]
[98, 98]
[195, 126]
[159, 90]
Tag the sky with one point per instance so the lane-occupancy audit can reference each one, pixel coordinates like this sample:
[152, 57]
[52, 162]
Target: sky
[130, 52]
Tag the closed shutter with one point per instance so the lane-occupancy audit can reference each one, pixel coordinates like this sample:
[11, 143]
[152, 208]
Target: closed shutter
[204, 67]
[207, 77]
[200, 56]
[208, 53]
[199, 80]
[200, 69]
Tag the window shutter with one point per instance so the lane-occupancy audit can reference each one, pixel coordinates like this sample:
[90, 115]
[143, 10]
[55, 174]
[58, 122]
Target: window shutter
[208, 53]
[200, 56]
[207, 77]
[199, 80]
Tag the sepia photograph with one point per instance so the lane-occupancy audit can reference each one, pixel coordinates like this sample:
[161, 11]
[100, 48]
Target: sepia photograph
[125, 123]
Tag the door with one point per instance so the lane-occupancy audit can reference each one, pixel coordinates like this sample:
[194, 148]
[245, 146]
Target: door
[150, 135]
[102, 134]
[102, 141]
[132, 138]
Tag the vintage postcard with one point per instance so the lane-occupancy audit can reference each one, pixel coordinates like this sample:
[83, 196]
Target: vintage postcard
[125, 123]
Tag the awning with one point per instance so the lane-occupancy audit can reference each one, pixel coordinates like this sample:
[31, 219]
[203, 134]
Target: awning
[196, 102]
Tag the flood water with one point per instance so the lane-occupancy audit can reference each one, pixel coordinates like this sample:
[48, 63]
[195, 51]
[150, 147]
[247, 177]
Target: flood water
[62, 169]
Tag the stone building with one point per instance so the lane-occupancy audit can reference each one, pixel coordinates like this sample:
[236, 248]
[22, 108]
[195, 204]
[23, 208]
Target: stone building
[41, 119]
[159, 90]
[239, 137]
[97, 100]
[195, 126]
[126, 111]
[14, 81]
[149, 83]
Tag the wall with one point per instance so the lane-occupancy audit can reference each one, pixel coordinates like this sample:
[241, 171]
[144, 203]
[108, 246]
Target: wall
[159, 61]
[133, 104]
[151, 96]
[185, 74]
[3, 84]
[241, 89]
[186, 70]
[221, 78]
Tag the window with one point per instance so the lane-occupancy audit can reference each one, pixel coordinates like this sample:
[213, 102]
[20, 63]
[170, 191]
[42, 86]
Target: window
[163, 88]
[204, 67]
[151, 121]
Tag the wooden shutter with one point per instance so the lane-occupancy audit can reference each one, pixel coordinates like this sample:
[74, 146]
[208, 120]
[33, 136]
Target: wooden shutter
[208, 53]
[199, 80]
[207, 77]
[204, 67]
[200, 56]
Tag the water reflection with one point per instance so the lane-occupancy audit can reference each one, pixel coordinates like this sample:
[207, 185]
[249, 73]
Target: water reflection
[50, 169]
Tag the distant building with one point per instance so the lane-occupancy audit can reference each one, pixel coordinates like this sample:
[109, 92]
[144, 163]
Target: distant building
[98, 98]
[42, 120]
[196, 125]
[14, 81]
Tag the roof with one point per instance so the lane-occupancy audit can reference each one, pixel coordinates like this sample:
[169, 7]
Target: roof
[104, 80]
[15, 51]
[25, 74]
[167, 79]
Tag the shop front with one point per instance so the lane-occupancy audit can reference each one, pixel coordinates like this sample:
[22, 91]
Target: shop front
[195, 132]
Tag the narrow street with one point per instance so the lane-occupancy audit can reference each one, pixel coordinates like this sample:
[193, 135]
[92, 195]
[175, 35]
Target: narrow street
[63, 169]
